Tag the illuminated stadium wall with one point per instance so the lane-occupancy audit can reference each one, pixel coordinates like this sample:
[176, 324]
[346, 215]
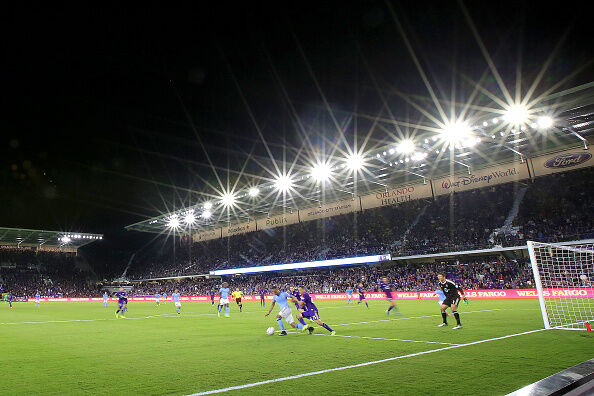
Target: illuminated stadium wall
[499, 174]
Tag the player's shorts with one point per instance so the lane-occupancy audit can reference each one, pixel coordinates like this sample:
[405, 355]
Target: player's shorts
[312, 314]
[178, 304]
[123, 302]
[350, 296]
[361, 296]
[389, 296]
[223, 301]
[440, 302]
[238, 300]
[287, 315]
[449, 302]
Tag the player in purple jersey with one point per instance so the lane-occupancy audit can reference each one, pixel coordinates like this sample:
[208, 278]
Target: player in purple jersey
[296, 298]
[262, 302]
[122, 303]
[10, 298]
[361, 294]
[307, 309]
[386, 287]
[212, 296]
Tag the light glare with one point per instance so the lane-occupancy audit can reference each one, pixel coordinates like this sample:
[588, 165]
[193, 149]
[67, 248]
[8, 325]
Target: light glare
[544, 122]
[254, 191]
[321, 172]
[406, 147]
[517, 114]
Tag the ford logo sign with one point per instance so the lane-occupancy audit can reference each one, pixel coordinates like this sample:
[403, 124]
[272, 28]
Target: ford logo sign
[567, 160]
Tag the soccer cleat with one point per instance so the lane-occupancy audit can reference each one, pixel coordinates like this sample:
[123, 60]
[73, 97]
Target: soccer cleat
[117, 316]
[304, 328]
[219, 314]
[282, 333]
[442, 324]
[388, 313]
[457, 327]
[311, 330]
[227, 315]
[123, 317]
[333, 333]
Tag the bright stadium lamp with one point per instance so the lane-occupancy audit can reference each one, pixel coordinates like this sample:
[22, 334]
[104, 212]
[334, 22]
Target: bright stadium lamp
[354, 161]
[456, 132]
[544, 122]
[516, 114]
[321, 172]
[173, 222]
[283, 183]
[405, 147]
[207, 205]
[228, 199]
[206, 214]
[190, 219]
[254, 191]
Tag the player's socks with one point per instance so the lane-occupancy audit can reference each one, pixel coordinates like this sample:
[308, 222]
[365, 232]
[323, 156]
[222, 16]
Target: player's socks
[457, 316]
[300, 326]
[324, 325]
[240, 307]
[302, 321]
[444, 315]
[280, 324]
[226, 311]
[367, 304]
[389, 309]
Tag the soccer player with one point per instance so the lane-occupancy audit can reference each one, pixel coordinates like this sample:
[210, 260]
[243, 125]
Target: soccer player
[105, 298]
[164, 298]
[440, 298]
[10, 298]
[282, 299]
[237, 295]
[262, 302]
[361, 294]
[296, 298]
[122, 303]
[350, 295]
[386, 287]
[37, 301]
[310, 311]
[224, 299]
[157, 298]
[176, 301]
[452, 294]
[212, 294]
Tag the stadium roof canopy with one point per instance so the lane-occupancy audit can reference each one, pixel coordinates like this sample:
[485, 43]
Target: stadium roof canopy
[42, 238]
[489, 131]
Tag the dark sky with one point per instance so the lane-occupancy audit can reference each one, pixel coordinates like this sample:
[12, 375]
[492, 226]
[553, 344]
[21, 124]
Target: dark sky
[99, 102]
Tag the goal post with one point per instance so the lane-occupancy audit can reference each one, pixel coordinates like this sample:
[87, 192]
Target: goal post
[564, 280]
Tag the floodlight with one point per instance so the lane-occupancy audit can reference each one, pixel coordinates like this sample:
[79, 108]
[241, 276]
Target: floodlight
[253, 191]
[516, 114]
[207, 205]
[391, 151]
[228, 199]
[418, 156]
[206, 214]
[544, 122]
[354, 161]
[406, 147]
[65, 239]
[173, 222]
[190, 218]
[283, 183]
[321, 172]
[455, 132]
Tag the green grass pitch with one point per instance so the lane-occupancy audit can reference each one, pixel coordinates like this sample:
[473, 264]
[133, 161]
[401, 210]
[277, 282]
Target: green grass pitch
[81, 348]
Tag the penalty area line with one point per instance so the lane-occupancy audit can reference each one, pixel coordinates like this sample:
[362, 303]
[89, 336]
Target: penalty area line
[253, 384]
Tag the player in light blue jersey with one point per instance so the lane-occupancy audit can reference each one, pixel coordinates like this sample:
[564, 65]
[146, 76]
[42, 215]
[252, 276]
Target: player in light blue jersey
[282, 299]
[224, 299]
[158, 299]
[37, 301]
[350, 295]
[177, 301]
[105, 299]
[164, 298]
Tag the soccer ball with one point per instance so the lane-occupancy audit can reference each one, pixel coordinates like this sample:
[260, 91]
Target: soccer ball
[270, 331]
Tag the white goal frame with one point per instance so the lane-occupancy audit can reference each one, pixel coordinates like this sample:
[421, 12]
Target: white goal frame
[562, 311]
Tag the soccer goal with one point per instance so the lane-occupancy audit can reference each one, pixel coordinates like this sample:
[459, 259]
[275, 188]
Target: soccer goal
[564, 276]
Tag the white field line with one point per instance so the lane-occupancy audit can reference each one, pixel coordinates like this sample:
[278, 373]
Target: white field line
[386, 339]
[86, 320]
[250, 385]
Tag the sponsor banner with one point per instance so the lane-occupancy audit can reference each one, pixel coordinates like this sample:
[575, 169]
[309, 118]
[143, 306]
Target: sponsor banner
[329, 210]
[240, 228]
[396, 196]
[207, 235]
[576, 292]
[265, 223]
[499, 174]
[562, 161]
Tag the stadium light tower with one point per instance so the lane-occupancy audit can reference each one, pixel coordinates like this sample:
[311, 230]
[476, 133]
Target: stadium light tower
[283, 183]
[321, 172]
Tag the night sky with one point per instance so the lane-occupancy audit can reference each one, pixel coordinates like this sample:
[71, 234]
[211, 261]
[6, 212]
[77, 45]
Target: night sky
[104, 107]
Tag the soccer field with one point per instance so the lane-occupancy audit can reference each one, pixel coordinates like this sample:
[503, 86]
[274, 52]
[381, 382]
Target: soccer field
[81, 348]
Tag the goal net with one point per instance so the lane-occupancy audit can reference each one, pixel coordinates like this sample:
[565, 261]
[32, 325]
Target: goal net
[564, 278]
